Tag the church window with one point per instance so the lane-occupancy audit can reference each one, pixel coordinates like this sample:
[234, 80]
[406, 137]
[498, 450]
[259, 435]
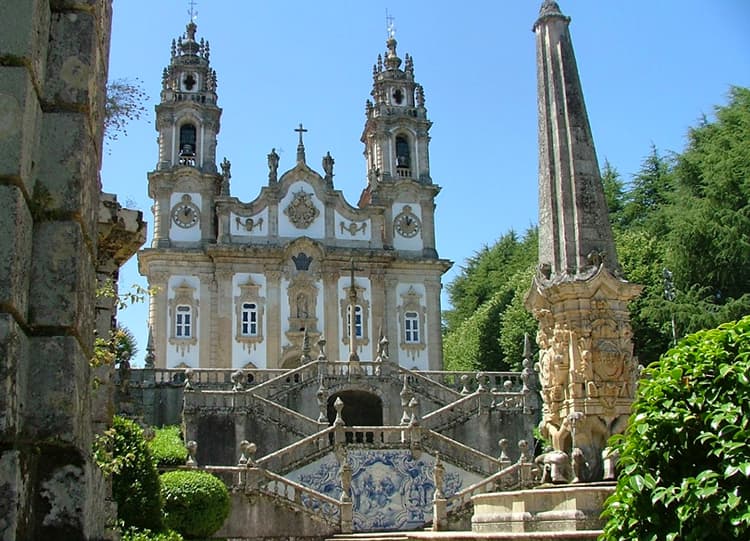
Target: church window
[412, 315]
[249, 307]
[411, 327]
[249, 323]
[183, 315]
[357, 321]
[403, 156]
[183, 322]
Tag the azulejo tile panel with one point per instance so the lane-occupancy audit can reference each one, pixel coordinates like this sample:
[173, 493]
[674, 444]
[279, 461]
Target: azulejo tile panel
[391, 489]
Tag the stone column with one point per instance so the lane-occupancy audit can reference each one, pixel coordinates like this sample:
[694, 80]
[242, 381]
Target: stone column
[207, 294]
[434, 339]
[391, 318]
[273, 318]
[158, 318]
[332, 313]
[222, 330]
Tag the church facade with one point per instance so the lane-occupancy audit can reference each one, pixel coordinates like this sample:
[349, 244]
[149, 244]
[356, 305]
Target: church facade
[252, 284]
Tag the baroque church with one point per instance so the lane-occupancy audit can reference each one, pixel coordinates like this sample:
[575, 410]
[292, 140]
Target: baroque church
[250, 284]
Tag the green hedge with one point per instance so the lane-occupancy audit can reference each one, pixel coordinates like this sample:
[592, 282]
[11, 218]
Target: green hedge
[122, 452]
[685, 456]
[195, 503]
[167, 447]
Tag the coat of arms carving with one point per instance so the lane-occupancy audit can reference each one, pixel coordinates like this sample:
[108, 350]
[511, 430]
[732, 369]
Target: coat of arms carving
[301, 211]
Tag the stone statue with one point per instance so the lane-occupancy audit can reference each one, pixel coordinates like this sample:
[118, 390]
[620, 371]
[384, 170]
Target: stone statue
[273, 166]
[328, 168]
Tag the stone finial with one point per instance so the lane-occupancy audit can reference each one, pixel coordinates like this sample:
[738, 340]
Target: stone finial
[504, 458]
[192, 449]
[305, 357]
[346, 481]
[150, 359]
[438, 476]
[405, 395]
[189, 377]
[338, 405]
[414, 410]
[226, 175]
[523, 447]
[465, 384]
[237, 378]
[247, 453]
[322, 398]
[322, 349]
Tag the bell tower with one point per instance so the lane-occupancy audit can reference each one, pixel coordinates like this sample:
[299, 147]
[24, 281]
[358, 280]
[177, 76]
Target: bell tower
[396, 138]
[185, 181]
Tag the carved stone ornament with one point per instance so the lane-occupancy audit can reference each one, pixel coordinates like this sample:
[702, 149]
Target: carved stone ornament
[302, 212]
[249, 224]
[353, 227]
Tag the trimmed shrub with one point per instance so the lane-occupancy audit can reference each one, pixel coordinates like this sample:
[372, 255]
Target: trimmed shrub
[167, 447]
[123, 452]
[195, 503]
[134, 534]
[685, 457]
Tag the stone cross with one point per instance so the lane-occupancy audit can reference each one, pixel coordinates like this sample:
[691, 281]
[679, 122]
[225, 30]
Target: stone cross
[300, 145]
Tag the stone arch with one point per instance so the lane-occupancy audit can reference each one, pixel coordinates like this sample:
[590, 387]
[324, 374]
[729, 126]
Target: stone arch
[361, 407]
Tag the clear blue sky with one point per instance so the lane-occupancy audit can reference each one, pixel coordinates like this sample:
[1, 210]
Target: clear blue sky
[650, 69]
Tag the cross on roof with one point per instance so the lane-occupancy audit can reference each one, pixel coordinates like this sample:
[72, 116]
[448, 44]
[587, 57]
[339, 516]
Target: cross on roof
[300, 130]
[191, 10]
[390, 23]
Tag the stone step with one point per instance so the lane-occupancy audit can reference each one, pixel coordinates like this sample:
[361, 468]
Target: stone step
[580, 535]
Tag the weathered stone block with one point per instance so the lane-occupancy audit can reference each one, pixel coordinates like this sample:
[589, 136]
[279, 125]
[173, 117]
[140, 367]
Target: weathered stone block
[12, 493]
[62, 279]
[24, 33]
[71, 58]
[20, 115]
[57, 403]
[15, 249]
[14, 349]
[67, 180]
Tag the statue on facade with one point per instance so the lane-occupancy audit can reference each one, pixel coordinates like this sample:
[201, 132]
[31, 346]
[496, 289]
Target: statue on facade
[273, 166]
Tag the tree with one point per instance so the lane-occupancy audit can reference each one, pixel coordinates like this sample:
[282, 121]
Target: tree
[648, 194]
[124, 102]
[710, 219]
[614, 192]
[684, 458]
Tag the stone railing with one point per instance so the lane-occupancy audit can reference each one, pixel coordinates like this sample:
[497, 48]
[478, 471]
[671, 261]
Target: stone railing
[469, 382]
[251, 479]
[299, 453]
[522, 474]
[459, 454]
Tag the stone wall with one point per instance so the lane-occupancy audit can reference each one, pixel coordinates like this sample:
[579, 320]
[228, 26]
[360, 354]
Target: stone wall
[53, 69]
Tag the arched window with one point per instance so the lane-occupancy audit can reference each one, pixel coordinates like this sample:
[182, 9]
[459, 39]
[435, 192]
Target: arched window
[403, 154]
[183, 322]
[411, 327]
[357, 321]
[249, 319]
[187, 140]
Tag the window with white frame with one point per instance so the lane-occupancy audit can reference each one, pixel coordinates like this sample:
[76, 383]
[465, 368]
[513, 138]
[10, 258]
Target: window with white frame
[249, 319]
[357, 321]
[183, 321]
[411, 328]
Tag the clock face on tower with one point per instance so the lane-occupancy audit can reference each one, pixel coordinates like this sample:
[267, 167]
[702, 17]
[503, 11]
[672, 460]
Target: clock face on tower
[185, 213]
[406, 223]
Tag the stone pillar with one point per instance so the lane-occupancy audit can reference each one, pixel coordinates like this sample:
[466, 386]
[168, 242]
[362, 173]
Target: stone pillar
[223, 311]
[332, 315]
[273, 319]
[52, 82]
[391, 318]
[158, 318]
[434, 338]
[206, 296]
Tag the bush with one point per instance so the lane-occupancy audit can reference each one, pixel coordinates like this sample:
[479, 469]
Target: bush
[195, 503]
[134, 534]
[122, 452]
[685, 457]
[167, 447]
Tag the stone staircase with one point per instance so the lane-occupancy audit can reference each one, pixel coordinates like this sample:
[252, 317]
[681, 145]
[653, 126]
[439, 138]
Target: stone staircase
[583, 535]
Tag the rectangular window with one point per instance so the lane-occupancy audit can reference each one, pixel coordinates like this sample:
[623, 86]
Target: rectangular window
[249, 322]
[411, 327]
[183, 322]
[357, 321]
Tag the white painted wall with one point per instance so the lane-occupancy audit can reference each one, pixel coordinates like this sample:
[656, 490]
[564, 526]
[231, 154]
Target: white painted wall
[407, 358]
[176, 354]
[403, 243]
[242, 352]
[316, 230]
[344, 234]
[365, 352]
[180, 234]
